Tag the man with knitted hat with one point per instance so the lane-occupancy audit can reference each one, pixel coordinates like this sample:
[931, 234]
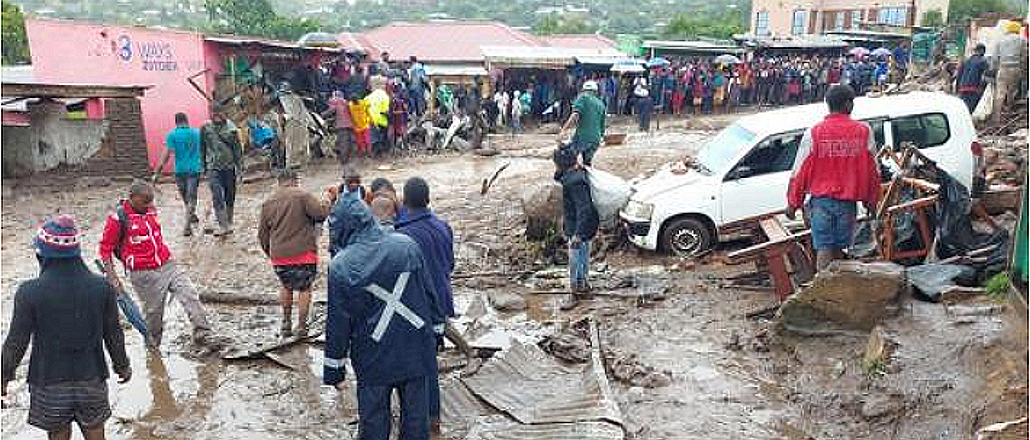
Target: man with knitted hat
[133, 235]
[69, 314]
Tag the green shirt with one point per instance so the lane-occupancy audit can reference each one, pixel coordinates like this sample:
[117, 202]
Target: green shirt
[220, 146]
[590, 127]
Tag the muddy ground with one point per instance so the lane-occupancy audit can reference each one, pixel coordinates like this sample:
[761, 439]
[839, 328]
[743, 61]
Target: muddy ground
[731, 377]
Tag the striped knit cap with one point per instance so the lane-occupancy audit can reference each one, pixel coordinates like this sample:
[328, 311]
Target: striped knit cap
[58, 238]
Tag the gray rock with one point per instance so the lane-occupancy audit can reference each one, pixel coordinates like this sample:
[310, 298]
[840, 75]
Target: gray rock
[847, 296]
[506, 301]
[932, 279]
[881, 405]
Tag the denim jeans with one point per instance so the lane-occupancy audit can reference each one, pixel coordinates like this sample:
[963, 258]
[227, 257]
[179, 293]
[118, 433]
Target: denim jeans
[832, 221]
[223, 194]
[579, 263]
[187, 183]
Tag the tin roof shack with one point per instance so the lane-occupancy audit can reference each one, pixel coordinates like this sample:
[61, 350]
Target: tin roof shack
[104, 138]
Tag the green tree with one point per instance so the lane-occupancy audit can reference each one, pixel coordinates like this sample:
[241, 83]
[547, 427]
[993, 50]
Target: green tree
[15, 43]
[722, 25]
[962, 10]
[556, 24]
[255, 18]
[932, 19]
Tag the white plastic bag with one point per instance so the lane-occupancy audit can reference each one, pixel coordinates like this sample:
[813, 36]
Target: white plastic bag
[986, 104]
[609, 193]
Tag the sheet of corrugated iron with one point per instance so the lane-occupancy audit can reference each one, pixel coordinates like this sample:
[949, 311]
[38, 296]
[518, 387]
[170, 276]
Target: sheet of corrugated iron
[503, 428]
[528, 384]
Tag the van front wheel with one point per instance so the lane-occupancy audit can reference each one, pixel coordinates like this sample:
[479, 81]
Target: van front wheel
[687, 237]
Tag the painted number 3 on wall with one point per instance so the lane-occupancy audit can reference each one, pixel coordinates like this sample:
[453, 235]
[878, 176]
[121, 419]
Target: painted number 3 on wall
[124, 48]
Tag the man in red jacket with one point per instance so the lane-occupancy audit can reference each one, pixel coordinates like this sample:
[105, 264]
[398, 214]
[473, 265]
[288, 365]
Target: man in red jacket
[133, 234]
[835, 167]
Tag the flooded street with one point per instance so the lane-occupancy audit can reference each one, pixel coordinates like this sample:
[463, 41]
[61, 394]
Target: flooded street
[730, 377]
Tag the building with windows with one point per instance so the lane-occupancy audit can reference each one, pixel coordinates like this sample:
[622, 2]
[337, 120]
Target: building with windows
[801, 17]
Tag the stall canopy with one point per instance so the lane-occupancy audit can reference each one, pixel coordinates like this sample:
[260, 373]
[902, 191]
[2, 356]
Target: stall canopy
[796, 42]
[690, 48]
[552, 58]
[455, 70]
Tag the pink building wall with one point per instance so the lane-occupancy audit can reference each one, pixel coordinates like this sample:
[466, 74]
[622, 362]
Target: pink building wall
[78, 52]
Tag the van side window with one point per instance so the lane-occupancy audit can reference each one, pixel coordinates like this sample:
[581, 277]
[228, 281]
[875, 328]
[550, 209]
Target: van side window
[923, 131]
[773, 155]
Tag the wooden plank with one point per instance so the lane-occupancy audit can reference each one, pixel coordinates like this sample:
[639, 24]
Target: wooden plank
[773, 229]
[913, 204]
[40, 90]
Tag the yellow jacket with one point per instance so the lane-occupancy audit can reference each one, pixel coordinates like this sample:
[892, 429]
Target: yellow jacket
[378, 107]
[359, 114]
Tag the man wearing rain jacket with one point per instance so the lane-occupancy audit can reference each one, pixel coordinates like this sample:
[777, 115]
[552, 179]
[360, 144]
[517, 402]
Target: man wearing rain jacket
[381, 315]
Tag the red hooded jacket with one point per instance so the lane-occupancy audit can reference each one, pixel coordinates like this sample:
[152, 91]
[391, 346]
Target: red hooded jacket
[142, 247]
[839, 163]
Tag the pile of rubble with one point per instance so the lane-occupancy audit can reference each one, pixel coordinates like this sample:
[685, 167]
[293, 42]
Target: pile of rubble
[1005, 158]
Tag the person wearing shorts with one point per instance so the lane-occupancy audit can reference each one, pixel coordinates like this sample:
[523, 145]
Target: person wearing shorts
[835, 168]
[67, 369]
[288, 233]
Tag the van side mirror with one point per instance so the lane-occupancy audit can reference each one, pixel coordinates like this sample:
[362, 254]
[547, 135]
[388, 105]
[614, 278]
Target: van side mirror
[740, 172]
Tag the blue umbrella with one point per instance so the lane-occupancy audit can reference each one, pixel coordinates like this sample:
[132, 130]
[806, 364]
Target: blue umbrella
[129, 309]
[657, 62]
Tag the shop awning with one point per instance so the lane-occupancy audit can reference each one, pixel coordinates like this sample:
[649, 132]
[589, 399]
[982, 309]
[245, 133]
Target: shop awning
[543, 57]
[608, 60]
[455, 70]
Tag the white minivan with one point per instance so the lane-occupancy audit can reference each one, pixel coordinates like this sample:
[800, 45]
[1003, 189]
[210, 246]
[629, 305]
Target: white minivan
[744, 170]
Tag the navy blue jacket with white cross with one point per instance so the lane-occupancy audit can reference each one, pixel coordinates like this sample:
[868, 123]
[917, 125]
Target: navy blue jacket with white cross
[381, 304]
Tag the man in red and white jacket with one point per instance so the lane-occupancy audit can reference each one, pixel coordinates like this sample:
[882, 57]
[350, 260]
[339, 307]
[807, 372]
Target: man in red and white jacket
[140, 245]
[836, 167]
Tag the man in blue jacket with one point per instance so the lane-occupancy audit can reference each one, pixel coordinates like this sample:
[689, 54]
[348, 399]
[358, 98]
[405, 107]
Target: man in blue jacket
[381, 315]
[436, 240]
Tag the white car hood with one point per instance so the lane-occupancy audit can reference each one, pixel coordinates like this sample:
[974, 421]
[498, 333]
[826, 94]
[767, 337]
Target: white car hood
[664, 180]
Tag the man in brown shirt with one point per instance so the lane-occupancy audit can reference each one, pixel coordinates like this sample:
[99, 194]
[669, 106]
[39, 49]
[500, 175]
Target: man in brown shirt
[288, 232]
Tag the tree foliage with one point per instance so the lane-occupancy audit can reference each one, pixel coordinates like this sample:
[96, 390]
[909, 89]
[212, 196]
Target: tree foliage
[722, 25]
[15, 43]
[962, 10]
[256, 18]
[556, 24]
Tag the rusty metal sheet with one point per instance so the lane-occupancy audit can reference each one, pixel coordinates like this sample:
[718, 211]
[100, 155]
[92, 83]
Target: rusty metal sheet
[502, 428]
[534, 388]
[463, 415]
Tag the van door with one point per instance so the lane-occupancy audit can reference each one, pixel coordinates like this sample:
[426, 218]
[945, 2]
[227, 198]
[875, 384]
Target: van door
[758, 183]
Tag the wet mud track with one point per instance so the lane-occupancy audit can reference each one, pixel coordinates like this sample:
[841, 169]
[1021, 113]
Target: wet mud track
[728, 378]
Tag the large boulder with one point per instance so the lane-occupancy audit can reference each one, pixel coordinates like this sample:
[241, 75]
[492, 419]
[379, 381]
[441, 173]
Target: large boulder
[542, 206]
[846, 296]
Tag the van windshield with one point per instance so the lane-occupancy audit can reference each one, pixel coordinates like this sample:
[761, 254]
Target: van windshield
[716, 155]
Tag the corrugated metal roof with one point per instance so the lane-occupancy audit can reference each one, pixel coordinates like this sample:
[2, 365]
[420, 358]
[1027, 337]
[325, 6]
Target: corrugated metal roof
[445, 41]
[534, 388]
